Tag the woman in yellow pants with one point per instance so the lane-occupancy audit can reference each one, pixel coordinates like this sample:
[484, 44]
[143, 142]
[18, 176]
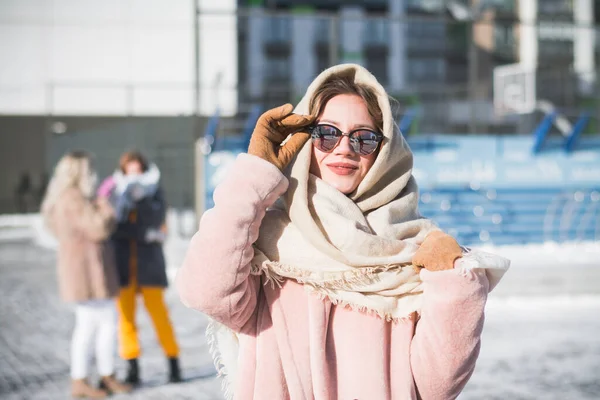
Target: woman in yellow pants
[141, 209]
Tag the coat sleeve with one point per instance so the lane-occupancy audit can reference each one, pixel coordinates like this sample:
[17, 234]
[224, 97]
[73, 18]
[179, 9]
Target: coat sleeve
[151, 214]
[215, 276]
[446, 343]
[95, 220]
[156, 211]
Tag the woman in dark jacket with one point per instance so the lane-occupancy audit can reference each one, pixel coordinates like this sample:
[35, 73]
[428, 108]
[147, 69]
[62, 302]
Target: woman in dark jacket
[141, 209]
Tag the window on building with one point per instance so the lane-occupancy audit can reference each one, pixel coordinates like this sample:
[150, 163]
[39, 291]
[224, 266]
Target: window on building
[323, 29]
[277, 29]
[430, 6]
[550, 49]
[277, 69]
[459, 36]
[555, 7]
[506, 6]
[504, 38]
[377, 31]
[322, 61]
[379, 68]
[426, 35]
[426, 69]
[277, 80]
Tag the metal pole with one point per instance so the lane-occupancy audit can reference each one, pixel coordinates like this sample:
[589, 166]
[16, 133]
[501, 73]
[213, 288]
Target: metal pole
[473, 72]
[334, 36]
[199, 183]
[196, 62]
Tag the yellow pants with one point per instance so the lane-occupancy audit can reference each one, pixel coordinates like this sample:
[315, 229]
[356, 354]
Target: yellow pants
[129, 345]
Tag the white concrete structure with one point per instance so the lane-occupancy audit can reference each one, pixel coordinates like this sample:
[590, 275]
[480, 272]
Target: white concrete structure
[581, 32]
[528, 36]
[113, 57]
[583, 44]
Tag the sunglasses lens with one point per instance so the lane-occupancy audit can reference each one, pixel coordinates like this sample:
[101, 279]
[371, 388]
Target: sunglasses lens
[367, 142]
[326, 138]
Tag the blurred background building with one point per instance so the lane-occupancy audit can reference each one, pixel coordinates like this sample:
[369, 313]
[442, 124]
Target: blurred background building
[149, 74]
[440, 54]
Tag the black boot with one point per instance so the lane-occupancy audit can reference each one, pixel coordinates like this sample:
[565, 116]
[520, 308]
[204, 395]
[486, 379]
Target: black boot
[133, 372]
[174, 371]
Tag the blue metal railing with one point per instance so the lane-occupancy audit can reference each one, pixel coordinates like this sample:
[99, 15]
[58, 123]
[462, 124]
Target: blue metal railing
[578, 128]
[515, 215]
[408, 119]
[542, 131]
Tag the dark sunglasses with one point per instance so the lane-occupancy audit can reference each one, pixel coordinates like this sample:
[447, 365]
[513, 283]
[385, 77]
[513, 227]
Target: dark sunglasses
[326, 138]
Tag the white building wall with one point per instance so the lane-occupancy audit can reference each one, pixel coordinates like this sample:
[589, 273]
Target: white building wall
[110, 57]
[528, 48]
[218, 57]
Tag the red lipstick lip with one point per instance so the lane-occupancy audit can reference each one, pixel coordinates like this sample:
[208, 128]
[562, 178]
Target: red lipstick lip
[342, 165]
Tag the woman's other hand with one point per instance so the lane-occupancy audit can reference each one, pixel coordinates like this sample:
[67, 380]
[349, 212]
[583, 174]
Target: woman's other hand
[438, 252]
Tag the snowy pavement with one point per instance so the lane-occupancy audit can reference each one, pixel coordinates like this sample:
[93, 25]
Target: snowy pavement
[548, 348]
[35, 329]
[541, 338]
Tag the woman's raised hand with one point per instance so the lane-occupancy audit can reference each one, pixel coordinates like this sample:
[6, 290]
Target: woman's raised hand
[272, 128]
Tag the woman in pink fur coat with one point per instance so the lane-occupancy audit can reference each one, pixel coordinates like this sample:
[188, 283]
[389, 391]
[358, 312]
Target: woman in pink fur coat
[320, 277]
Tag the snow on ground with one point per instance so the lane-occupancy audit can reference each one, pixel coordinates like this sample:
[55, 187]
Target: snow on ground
[541, 337]
[539, 348]
[549, 253]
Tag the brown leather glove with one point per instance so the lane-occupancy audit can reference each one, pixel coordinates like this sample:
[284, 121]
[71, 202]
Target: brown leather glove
[438, 252]
[272, 128]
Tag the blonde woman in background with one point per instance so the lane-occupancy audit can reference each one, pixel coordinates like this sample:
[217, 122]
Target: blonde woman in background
[87, 274]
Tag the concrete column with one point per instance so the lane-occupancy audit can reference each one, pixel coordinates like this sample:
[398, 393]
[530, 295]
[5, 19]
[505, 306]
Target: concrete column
[583, 44]
[528, 38]
[352, 21]
[397, 47]
[304, 60]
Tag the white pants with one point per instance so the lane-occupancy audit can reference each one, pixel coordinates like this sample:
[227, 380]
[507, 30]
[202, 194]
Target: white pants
[94, 320]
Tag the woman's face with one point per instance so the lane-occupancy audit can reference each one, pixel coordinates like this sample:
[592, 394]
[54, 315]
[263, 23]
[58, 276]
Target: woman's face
[133, 168]
[343, 168]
